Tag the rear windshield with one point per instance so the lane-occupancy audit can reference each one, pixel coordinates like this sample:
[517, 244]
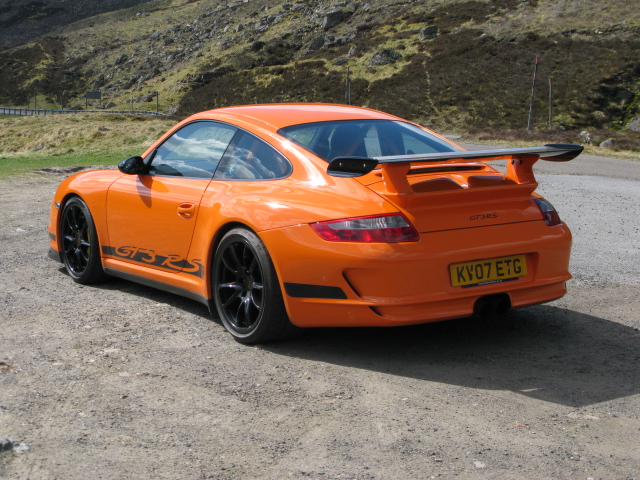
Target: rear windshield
[364, 138]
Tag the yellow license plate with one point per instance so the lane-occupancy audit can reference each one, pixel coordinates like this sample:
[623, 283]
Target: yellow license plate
[484, 272]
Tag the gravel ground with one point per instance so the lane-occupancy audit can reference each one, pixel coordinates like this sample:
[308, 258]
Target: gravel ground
[121, 381]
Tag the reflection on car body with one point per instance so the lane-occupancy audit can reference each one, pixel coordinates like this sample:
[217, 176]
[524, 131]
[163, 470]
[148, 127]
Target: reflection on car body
[286, 216]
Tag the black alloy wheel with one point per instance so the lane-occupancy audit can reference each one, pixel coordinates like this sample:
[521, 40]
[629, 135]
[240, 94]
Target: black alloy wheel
[246, 290]
[79, 241]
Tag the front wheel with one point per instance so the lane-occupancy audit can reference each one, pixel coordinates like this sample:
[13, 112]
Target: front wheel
[246, 290]
[80, 250]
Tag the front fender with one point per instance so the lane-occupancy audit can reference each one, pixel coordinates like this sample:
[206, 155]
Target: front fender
[92, 187]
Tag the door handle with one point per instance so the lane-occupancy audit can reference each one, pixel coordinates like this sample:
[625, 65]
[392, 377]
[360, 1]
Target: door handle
[186, 210]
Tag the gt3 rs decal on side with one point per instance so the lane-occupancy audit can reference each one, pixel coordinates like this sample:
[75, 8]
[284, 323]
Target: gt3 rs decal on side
[149, 257]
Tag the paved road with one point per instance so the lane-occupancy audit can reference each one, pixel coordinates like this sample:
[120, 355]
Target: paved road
[583, 165]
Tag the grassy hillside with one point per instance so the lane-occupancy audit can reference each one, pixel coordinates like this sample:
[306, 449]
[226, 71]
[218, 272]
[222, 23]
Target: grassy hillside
[63, 141]
[450, 64]
[67, 143]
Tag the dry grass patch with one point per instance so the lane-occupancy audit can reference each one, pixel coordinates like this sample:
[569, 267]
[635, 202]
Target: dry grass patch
[62, 134]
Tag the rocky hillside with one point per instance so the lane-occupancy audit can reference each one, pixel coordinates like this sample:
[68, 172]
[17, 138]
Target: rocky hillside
[24, 20]
[446, 63]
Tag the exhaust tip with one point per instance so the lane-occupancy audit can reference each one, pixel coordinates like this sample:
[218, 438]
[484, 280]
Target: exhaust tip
[503, 306]
[492, 306]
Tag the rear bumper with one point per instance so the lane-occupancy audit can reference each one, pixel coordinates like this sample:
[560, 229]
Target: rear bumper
[402, 284]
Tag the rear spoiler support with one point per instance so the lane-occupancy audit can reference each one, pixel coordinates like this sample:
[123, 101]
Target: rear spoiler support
[395, 168]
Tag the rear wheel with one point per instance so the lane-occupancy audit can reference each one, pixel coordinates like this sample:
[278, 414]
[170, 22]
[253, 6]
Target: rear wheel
[246, 290]
[80, 250]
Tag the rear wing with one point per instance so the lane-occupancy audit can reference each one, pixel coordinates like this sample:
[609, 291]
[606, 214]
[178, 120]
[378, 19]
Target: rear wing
[395, 168]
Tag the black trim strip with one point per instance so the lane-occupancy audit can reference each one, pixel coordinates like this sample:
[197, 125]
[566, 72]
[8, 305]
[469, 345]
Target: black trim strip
[159, 285]
[52, 236]
[303, 290]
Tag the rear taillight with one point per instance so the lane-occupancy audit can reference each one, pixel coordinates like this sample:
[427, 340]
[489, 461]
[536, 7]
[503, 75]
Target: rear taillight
[391, 228]
[549, 214]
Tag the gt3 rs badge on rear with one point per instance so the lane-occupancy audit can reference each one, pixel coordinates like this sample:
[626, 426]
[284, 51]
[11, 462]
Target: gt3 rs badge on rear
[483, 216]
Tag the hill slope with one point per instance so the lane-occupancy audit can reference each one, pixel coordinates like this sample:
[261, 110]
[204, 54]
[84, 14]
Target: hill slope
[446, 62]
[25, 20]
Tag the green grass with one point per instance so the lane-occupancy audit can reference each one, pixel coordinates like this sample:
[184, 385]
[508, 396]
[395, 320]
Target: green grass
[28, 144]
[33, 164]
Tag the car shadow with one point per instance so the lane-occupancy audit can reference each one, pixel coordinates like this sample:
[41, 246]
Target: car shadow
[132, 288]
[544, 352]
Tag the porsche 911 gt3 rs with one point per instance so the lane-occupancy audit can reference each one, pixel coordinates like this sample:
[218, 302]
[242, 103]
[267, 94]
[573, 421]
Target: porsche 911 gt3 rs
[306, 215]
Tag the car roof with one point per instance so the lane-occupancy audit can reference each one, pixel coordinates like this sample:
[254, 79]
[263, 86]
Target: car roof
[279, 115]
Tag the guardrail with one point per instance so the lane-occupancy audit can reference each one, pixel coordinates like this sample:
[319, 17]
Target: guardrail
[25, 112]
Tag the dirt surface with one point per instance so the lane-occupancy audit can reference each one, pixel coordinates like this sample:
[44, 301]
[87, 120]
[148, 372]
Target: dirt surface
[121, 381]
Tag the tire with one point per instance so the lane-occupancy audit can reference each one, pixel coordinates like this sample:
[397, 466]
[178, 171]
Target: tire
[79, 241]
[246, 290]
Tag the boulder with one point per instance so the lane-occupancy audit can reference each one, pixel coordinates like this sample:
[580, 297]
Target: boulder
[384, 57]
[335, 41]
[608, 143]
[6, 444]
[99, 82]
[316, 44]
[584, 137]
[634, 124]
[334, 18]
[428, 33]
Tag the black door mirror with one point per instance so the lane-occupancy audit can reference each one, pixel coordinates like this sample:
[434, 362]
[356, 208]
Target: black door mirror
[132, 166]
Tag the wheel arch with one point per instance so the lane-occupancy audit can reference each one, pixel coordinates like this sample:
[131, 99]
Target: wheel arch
[99, 226]
[217, 236]
[272, 320]
[91, 187]
[58, 215]
[87, 242]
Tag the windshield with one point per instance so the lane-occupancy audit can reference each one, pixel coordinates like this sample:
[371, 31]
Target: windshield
[364, 138]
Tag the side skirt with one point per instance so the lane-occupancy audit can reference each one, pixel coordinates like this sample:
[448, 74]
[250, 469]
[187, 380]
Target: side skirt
[161, 286]
[54, 255]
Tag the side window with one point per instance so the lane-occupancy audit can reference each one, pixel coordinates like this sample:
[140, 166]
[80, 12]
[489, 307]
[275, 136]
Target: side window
[249, 158]
[193, 151]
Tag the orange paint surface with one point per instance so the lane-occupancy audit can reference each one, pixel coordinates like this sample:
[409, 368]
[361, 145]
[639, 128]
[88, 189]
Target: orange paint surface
[166, 228]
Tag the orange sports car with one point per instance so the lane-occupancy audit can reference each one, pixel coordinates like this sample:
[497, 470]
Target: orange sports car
[306, 215]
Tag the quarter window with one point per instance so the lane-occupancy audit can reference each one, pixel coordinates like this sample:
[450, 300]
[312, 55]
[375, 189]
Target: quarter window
[249, 158]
